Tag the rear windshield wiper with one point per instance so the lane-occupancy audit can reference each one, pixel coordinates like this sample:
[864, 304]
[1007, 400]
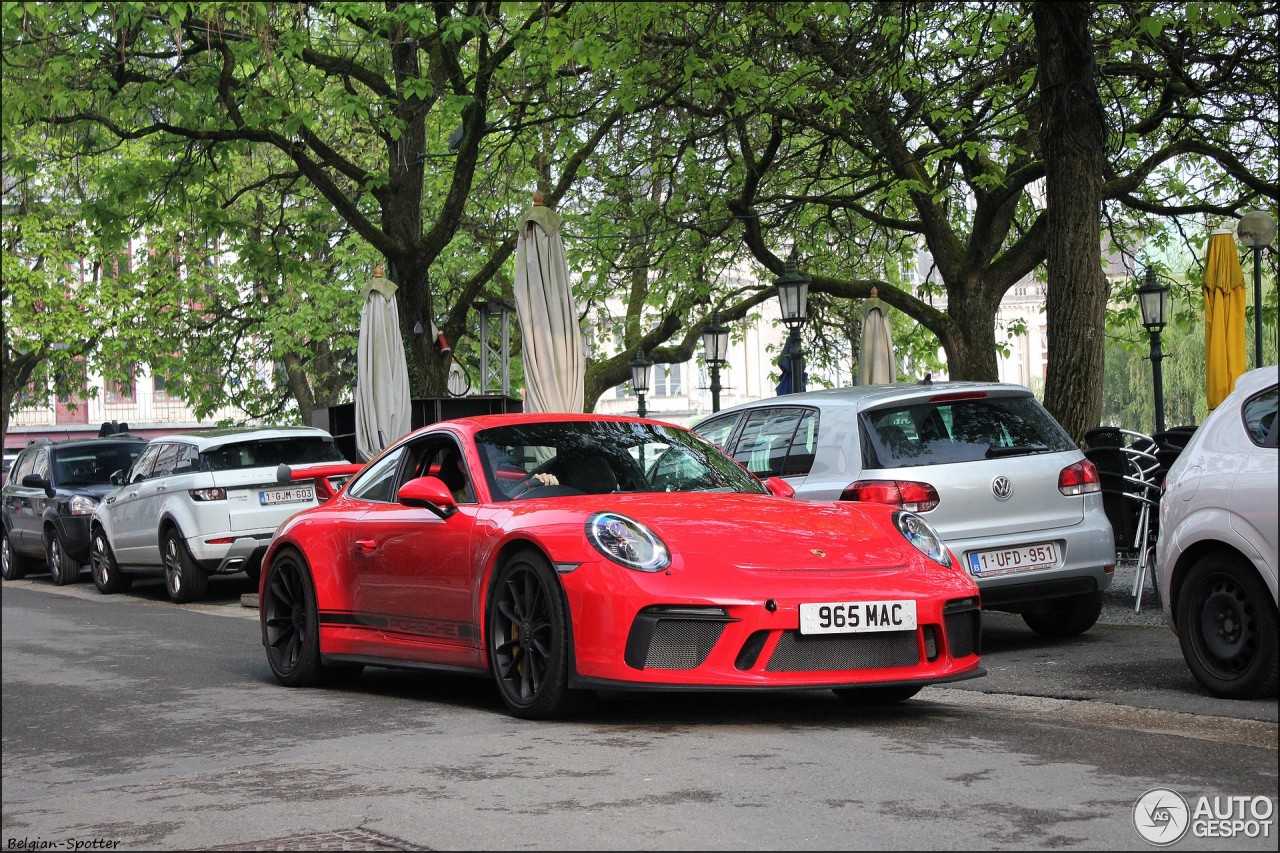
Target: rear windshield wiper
[1015, 450]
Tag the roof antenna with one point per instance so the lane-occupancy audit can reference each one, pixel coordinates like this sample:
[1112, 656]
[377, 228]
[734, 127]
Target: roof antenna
[928, 379]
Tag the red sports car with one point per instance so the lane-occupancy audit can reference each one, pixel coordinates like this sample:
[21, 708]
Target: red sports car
[565, 554]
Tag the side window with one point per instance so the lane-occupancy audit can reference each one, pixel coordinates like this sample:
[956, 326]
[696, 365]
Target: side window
[800, 455]
[766, 438]
[380, 482]
[141, 469]
[1260, 416]
[165, 460]
[718, 430]
[40, 465]
[188, 459]
[25, 464]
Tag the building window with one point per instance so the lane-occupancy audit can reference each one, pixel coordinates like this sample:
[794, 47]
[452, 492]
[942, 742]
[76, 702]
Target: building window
[668, 380]
[120, 390]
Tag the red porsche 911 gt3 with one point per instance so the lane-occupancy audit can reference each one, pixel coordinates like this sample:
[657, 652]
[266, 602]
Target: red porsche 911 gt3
[566, 554]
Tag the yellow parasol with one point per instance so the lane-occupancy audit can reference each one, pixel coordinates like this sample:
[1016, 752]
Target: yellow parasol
[1224, 301]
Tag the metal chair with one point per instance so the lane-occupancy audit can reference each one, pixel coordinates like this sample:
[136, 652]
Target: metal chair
[1130, 474]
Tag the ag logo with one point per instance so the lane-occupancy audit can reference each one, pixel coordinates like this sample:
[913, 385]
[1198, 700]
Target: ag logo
[1161, 816]
[1001, 488]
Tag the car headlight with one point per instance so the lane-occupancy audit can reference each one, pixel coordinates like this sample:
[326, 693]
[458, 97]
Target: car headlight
[83, 505]
[919, 533]
[627, 542]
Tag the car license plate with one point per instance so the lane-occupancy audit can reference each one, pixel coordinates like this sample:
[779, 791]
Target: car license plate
[857, 617]
[291, 495]
[1004, 561]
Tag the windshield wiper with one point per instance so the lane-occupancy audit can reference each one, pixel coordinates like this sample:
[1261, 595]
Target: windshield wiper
[1015, 450]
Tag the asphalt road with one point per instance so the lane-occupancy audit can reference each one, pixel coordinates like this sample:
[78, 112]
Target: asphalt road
[134, 721]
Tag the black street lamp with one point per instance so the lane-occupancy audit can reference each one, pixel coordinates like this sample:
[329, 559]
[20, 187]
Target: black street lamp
[715, 345]
[1257, 229]
[640, 378]
[793, 294]
[1152, 300]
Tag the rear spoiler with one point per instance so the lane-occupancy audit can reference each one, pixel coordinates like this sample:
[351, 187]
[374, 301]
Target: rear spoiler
[328, 476]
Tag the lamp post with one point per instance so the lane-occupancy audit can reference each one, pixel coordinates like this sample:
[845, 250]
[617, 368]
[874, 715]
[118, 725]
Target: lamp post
[715, 345]
[1256, 230]
[1152, 300]
[640, 379]
[793, 294]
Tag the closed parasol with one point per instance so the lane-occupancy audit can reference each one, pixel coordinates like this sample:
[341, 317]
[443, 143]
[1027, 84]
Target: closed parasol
[875, 357]
[1224, 322]
[382, 374]
[554, 365]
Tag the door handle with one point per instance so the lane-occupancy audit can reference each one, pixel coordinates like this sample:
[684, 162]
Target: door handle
[366, 546]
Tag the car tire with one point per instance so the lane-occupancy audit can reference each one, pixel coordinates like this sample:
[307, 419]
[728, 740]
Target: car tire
[291, 627]
[62, 569]
[872, 696]
[255, 575]
[107, 576]
[183, 579]
[528, 631]
[1067, 618]
[13, 566]
[1227, 624]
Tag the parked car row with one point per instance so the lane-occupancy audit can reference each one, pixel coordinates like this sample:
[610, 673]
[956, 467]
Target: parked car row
[185, 506]
[561, 554]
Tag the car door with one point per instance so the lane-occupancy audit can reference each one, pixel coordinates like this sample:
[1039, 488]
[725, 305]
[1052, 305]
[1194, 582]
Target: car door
[412, 569]
[23, 504]
[134, 531]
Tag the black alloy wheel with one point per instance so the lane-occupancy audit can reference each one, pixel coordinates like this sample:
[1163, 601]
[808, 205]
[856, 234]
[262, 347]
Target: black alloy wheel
[1227, 628]
[183, 579]
[528, 631]
[291, 627]
[107, 576]
[62, 569]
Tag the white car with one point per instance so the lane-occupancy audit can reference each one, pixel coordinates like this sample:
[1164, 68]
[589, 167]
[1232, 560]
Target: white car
[203, 503]
[984, 463]
[1216, 549]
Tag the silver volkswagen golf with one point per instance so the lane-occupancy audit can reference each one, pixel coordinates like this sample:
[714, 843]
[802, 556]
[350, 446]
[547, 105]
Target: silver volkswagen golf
[985, 463]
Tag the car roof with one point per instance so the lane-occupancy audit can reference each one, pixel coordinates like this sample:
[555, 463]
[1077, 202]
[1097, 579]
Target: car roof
[209, 438]
[869, 396]
[1255, 380]
[94, 441]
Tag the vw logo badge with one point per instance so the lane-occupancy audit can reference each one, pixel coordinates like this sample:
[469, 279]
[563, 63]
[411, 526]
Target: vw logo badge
[1001, 488]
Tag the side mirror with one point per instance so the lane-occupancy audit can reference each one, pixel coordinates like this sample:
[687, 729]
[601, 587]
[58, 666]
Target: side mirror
[428, 493]
[779, 487]
[116, 478]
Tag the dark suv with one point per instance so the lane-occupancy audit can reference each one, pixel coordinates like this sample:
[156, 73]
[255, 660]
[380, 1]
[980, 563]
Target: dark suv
[52, 491]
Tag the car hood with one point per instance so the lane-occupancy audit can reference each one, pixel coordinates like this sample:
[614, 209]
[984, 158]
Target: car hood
[749, 531]
[96, 491]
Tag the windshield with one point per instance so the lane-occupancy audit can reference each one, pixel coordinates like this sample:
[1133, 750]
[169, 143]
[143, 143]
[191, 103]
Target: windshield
[598, 457]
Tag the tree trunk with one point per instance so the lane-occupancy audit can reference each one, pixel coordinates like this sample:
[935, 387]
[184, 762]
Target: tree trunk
[1073, 135]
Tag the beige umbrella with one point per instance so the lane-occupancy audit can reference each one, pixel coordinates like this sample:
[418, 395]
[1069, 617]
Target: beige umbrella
[554, 366]
[876, 365]
[383, 399]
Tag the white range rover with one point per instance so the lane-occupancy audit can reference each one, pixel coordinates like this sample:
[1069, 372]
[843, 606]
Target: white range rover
[203, 503]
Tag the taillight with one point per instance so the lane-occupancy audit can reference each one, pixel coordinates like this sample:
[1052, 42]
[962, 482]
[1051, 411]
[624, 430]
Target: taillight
[1079, 479]
[207, 494]
[910, 495]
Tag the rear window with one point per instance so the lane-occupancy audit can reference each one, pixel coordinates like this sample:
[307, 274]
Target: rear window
[959, 430]
[270, 452]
